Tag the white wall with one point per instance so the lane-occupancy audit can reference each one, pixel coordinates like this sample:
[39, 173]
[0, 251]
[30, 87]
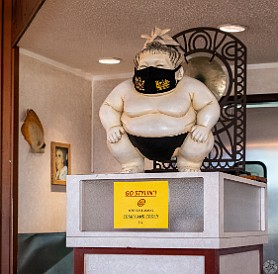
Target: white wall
[63, 103]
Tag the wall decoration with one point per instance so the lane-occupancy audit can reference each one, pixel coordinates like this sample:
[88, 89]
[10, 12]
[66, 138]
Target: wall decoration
[33, 132]
[210, 45]
[60, 163]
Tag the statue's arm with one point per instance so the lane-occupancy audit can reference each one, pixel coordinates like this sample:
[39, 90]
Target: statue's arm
[110, 114]
[207, 109]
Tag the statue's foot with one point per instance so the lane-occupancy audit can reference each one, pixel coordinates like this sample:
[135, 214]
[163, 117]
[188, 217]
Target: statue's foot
[132, 169]
[188, 169]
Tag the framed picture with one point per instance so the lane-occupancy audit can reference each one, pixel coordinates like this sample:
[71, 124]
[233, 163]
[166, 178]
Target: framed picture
[60, 163]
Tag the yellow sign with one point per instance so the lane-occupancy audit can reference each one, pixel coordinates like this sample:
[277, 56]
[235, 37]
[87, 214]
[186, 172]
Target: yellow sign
[141, 204]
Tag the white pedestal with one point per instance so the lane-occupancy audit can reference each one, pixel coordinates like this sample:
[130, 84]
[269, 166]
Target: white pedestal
[211, 215]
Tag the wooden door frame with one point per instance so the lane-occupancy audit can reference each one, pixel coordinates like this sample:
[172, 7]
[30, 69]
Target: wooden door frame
[16, 16]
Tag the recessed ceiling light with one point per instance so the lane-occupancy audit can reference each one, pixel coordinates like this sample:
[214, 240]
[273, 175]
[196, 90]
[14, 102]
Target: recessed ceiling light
[232, 28]
[109, 60]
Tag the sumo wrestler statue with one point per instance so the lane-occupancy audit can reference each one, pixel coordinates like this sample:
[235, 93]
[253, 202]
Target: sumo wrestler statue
[160, 113]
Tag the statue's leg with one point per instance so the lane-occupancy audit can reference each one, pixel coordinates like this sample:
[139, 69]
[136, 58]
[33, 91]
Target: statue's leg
[191, 154]
[128, 156]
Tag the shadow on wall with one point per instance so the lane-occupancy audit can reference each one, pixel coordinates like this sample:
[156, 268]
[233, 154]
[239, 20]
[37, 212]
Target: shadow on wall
[44, 253]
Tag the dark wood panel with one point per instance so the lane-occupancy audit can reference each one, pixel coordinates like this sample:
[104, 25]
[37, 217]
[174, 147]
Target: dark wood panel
[23, 14]
[6, 138]
[9, 74]
[259, 98]
[78, 259]
[262, 98]
[15, 134]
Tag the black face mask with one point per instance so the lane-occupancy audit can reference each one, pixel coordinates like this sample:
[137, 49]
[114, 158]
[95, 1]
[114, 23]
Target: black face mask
[152, 80]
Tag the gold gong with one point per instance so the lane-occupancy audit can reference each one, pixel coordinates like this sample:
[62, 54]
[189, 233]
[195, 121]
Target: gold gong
[210, 72]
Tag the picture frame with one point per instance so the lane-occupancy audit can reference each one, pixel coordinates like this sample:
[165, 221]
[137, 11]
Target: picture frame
[60, 162]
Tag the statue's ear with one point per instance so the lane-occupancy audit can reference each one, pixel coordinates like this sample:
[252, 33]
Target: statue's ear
[179, 73]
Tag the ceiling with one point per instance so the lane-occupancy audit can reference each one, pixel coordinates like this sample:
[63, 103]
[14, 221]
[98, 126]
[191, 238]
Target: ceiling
[77, 33]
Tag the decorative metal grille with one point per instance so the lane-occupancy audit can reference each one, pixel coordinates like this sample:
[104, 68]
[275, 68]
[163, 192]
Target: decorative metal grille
[230, 131]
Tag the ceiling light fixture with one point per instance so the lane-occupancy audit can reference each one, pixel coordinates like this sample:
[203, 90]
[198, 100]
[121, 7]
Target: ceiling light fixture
[109, 60]
[232, 28]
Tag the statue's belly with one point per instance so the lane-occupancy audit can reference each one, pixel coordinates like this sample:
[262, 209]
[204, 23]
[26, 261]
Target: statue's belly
[172, 105]
[158, 124]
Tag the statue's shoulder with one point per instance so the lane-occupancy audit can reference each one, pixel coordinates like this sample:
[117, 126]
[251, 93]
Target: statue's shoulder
[122, 88]
[190, 83]
[187, 80]
[125, 85]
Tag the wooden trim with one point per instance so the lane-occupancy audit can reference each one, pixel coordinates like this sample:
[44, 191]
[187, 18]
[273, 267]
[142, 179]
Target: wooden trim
[6, 139]
[261, 250]
[262, 98]
[212, 262]
[78, 260]
[145, 251]
[1, 69]
[6, 143]
[15, 134]
[259, 98]
[23, 14]
[9, 106]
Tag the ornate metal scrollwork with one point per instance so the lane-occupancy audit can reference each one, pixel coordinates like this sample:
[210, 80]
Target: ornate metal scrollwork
[230, 131]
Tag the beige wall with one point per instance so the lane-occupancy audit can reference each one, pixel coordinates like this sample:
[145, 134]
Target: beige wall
[103, 161]
[63, 103]
[262, 79]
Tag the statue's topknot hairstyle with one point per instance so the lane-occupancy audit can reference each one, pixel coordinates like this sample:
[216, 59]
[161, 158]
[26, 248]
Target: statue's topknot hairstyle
[160, 42]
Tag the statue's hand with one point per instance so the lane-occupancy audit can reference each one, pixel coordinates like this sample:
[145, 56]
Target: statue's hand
[200, 134]
[114, 134]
